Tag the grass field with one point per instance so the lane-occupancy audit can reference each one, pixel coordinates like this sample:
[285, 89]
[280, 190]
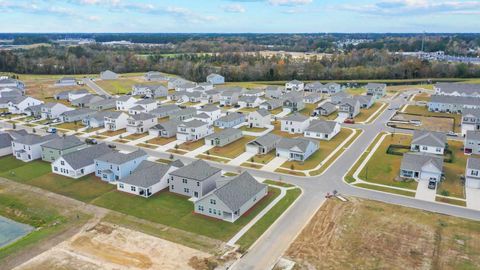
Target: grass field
[69, 126]
[113, 133]
[363, 234]
[423, 110]
[326, 148]
[264, 159]
[122, 85]
[232, 150]
[383, 168]
[452, 185]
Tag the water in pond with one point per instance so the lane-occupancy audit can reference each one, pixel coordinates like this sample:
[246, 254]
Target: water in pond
[11, 230]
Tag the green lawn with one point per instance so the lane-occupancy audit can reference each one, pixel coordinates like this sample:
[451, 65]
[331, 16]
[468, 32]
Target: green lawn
[268, 219]
[383, 168]
[452, 184]
[386, 189]
[326, 148]
[120, 86]
[264, 159]
[176, 211]
[233, 149]
[27, 171]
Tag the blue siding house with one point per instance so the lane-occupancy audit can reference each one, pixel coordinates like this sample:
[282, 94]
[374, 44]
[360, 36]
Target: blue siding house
[230, 120]
[115, 166]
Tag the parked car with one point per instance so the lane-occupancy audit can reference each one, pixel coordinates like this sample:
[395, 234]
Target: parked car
[56, 120]
[52, 130]
[452, 134]
[112, 146]
[236, 106]
[349, 121]
[432, 184]
[91, 141]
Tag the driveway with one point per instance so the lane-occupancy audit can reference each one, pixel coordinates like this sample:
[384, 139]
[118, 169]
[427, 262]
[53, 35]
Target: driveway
[473, 198]
[241, 159]
[198, 151]
[274, 164]
[283, 113]
[424, 193]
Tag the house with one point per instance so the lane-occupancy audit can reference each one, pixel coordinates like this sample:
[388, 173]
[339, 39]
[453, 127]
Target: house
[66, 81]
[86, 100]
[60, 146]
[11, 92]
[193, 97]
[8, 82]
[421, 166]
[114, 165]
[428, 142]
[295, 123]
[452, 104]
[184, 114]
[210, 96]
[331, 88]
[271, 104]
[193, 130]
[114, 121]
[79, 163]
[76, 115]
[155, 76]
[312, 98]
[365, 101]
[143, 106]
[5, 144]
[376, 90]
[194, 180]
[223, 137]
[206, 86]
[314, 87]
[264, 144]
[457, 89]
[150, 90]
[472, 142]
[325, 109]
[273, 91]
[106, 104]
[18, 104]
[212, 111]
[470, 120]
[298, 149]
[108, 75]
[148, 179]
[76, 94]
[124, 103]
[215, 79]
[186, 87]
[472, 173]
[53, 110]
[96, 120]
[230, 120]
[249, 101]
[28, 147]
[294, 85]
[173, 83]
[141, 123]
[322, 130]
[35, 111]
[166, 110]
[349, 108]
[259, 119]
[339, 97]
[166, 129]
[293, 102]
[229, 98]
[64, 95]
[233, 199]
[254, 93]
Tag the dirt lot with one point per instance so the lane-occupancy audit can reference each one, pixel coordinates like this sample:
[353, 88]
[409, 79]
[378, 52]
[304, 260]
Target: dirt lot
[43, 88]
[429, 123]
[363, 234]
[106, 246]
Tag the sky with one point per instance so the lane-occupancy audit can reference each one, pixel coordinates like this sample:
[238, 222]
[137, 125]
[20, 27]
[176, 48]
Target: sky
[239, 16]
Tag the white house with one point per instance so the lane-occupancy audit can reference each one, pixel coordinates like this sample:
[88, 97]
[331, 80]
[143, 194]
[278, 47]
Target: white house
[421, 166]
[18, 105]
[116, 121]
[294, 85]
[472, 173]
[193, 130]
[428, 142]
[79, 163]
[260, 118]
[28, 147]
[53, 110]
[249, 101]
[322, 130]
[124, 103]
[295, 123]
[297, 149]
[140, 123]
[143, 106]
[5, 144]
[215, 79]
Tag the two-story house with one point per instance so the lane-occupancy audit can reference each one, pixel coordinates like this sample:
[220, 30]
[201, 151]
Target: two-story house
[115, 121]
[229, 98]
[470, 120]
[143, 106]
[165, 129]
[141, 123]
[259, 119]
[293, 102]
[194, 180]
[349, 108]
[53, 110]
[28, 147]
[230, 120]
[377, 90]
[249, 101]
[76, 115]
[60, 146]
[295, 123]
[472, 142]
[115, 165]
[18, 104]
[294, 85]
[124, 103]
[193, 130]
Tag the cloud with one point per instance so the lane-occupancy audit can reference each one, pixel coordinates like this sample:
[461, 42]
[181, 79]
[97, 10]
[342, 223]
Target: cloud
[234, 8]
[187, 15]
[289, 2]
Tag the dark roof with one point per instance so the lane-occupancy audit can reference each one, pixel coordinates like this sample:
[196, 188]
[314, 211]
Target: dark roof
[85, 156]
[5, 140]
[198, 170]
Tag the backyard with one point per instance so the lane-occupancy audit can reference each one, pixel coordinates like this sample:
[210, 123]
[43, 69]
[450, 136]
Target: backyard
[423, 110]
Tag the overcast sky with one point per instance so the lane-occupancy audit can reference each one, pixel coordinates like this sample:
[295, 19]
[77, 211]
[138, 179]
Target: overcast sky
[225, 16]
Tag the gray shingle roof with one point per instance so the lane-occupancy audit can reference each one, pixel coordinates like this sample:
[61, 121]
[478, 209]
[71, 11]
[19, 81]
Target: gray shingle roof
[147, 174]
[455, 100]
[225, 133]
[473, 163]
[429, 138]
[291, 143]
[263, 112]
[63, 143]
[328, 107]
[296, 117]
[322, 126]
[230, 117]
[415, 161]
[473, 135]
[266, 140]
[118, 158]
[193, 123]
[5, 140]
[82, 111]
[461, 88]
[239, 190]
[146, 101]
[471, 112]
[30, 139]
[142, 116]
[198, 170]
[85, 156]
[170, 125]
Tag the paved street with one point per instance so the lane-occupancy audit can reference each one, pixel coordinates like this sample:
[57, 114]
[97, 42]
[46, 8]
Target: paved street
[95, 87]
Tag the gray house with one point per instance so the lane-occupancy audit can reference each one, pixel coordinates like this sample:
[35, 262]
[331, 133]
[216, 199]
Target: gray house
[376, 90]
[233, 199]
[338, 97]
[294, 102]
[215, 79]
[76, 115]
[184, 114]
[470, 120]
[452, 104]
[273, 91]
[472, 142]
[64, 94]
[149, 90]
[421, 166]
[457, 89]
[223, 137]
[86, 100]
[428, 142]
[271, 104]
[104, 104]
[230, 120]
[298, 149]
[166, 129]
[349, 108]
[60, 146]
[264, 144]
[194, 180]
[155, 76]
[166, 110]
[325, 109]
[365, 101]
[472, 173]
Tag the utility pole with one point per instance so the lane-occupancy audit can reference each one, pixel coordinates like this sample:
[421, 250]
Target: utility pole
[423, 41]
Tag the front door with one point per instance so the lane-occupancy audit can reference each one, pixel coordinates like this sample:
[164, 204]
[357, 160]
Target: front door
[195, 194]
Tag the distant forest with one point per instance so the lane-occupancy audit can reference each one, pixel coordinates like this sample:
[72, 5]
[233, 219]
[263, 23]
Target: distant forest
[194, 56]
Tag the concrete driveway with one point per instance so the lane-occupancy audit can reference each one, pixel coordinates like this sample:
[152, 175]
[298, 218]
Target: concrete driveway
[241, 159]
[274, 164]
[473, 198]
[424, 193]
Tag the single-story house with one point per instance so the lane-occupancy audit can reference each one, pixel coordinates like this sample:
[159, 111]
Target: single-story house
[230, 120]
[312, 98]
[108, 75]
[325, 109]
[298, 149]
[421, 166]
[215, 79]
[223, 137]
[428, 142]
[76, 115]
[323, 130]
[264, 144]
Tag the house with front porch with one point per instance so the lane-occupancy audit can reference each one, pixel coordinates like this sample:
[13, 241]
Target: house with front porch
[325, 109]
[249, 101]
[421, 166]
[271, 104]
[114, 166]
[294, 102]
[194, 180]
[233, 199]
[428, 142]
[165, 129]
[143, 106]
[210, 96]
[297, 149]
[263, 145]
[18, 104]
[229, 98]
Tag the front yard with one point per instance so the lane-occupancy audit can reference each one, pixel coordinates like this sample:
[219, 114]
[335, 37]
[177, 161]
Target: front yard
[113, 133]
[190, 146]
[161, 141]
[453, 185]
[366, 113]
[70, 126]
[232, 150]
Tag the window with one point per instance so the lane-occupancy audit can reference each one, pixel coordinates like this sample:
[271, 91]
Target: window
[173, 187]
[186, 190]
[212, 201]
[474, 173]
[210, 210]
[120, 185]
[439, 149]
[132, 188]
[185, 181]
[198, 184]
[200, 208]
[62, 162]
[55, 169]
[424, 148]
